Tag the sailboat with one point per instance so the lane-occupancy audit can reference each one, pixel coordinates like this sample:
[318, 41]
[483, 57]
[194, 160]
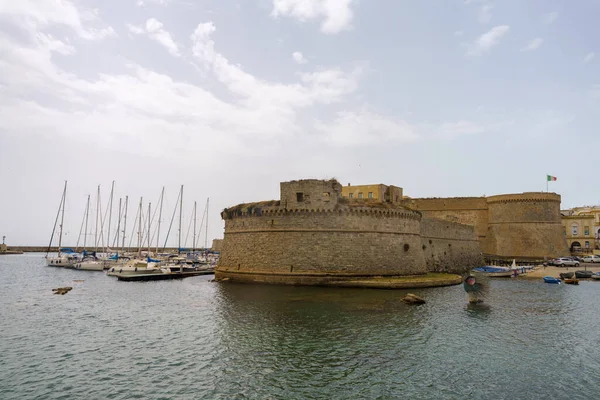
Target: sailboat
[65, 257]
[90, 262]
[138, 265]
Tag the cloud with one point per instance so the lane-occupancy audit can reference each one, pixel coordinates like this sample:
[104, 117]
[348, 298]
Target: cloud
[337, 15]
[143, 3]
[323, 86]
[589, 57]
[533, 45]
[488, 40]
[364, 127]
[155, 31]
[460, 128]
[40, 14]
[299, 58]
[484, 15]
[56, 45]
[550, 17]
[146, 112]
[459, 33]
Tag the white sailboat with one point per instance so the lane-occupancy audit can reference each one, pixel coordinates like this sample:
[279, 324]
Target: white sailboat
[63, 258]
[91, 262]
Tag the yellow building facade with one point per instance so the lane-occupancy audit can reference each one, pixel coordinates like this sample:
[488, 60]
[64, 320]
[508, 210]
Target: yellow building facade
[378, 192]
[582, 228]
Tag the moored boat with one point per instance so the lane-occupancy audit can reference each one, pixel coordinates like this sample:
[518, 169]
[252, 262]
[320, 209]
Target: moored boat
[566, 275]
[551, 279]
[596, 276]
[494, 272]
[583, 274]
[571, 281]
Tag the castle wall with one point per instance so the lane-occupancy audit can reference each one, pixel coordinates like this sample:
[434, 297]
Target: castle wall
[353, 241]
[463, 210]
[450, 247]
[526, 225]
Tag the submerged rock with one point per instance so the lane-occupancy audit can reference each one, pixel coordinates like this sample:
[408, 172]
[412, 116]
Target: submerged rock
[62, 290]
[413, 299]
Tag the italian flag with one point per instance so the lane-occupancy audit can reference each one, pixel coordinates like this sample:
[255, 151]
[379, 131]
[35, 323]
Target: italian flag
[551, 178]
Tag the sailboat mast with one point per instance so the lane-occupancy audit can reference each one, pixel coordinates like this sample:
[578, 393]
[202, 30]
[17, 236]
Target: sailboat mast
[80, 231]
[116, 241]
[125, 222]
[206, 234]
[62, 218]
[194, 240]
[110, 207]
[87, 214]
[162, 195]
[97, 210]
[149, 207]
[140, 231]
[180, 212]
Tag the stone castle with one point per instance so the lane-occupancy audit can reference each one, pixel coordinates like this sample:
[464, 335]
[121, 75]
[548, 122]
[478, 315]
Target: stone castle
[320, 232]
[314, 235]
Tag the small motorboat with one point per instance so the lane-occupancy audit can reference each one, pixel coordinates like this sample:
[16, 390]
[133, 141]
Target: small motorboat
[571, 281]
[550, 279]
[596, 276]
[583, 274]
[494, 272]
[566, 275]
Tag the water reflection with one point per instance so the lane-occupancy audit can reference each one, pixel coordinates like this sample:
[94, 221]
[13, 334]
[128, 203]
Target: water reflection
[478, 310]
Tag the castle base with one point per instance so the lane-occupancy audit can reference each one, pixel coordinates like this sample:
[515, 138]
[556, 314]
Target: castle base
[376, 282]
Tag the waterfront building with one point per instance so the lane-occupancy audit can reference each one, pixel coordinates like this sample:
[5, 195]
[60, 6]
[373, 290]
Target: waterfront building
[582, 228]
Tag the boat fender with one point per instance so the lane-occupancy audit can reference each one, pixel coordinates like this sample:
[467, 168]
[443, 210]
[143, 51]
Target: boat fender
[135, 269]
[121, 270]
[112, 269]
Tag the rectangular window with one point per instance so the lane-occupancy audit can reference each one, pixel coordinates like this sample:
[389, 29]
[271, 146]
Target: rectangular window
[299, 197]
[587, 244]
[575, 229]
[360, 195]
[370, 195]
[351, 195]
[586, 230]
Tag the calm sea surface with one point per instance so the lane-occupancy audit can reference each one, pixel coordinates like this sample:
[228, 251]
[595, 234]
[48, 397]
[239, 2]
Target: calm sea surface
[193, 339]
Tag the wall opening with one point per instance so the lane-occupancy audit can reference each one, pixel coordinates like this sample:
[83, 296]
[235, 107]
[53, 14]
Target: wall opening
[299, 197]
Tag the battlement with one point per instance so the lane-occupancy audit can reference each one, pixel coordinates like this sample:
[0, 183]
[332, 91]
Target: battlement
[527, 197]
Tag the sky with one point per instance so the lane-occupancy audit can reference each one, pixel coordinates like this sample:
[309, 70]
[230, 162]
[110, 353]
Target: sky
[444, 98]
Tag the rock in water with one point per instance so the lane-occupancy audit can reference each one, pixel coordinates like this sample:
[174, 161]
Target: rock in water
[62, 290]
[413, 299]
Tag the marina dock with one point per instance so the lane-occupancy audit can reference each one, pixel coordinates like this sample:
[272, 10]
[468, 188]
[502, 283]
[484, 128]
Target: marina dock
[160, 276]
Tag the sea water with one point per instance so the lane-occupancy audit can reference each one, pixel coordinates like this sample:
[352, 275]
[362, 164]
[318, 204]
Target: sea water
[195, 339]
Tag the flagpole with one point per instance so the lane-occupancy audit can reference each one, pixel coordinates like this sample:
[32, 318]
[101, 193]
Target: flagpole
[547, 183]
